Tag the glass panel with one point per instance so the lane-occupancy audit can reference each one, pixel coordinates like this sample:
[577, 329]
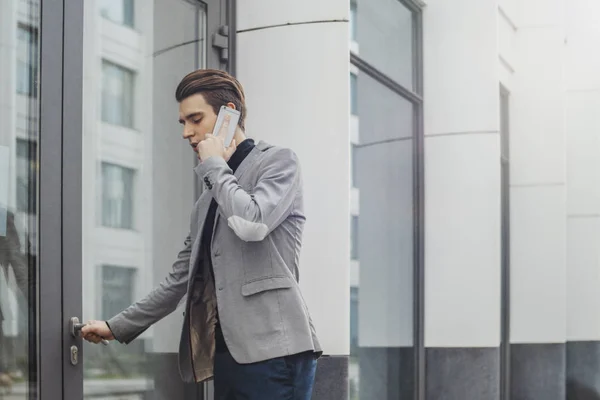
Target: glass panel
[385, 36]
[117, 289]
[117, 95]
[353, 165]
[119, 11]
[353, 10]
[27, 59]
[19, 135]
[354, 238]
[382, 360]
[353, 99]
[137, 186]
[117, 196]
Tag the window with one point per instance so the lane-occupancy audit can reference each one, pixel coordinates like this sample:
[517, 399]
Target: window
[27, 62]
[353, 20]
[26, 176]
[354, 320]
[353, 94]
[119, 11]
[354, 237]
[117, 95]
[387, 38]
[117, 289]
[353, 181]
[117, 196]
[390, 229]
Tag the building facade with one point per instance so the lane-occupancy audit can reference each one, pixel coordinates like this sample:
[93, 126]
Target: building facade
[448, 151]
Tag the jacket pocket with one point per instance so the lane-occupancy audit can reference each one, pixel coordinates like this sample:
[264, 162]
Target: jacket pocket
[264, 284]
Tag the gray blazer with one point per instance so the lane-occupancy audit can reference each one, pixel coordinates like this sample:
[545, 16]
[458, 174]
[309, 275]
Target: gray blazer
[255, 251]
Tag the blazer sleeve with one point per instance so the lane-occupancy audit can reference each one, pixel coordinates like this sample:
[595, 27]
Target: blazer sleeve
[252, 216]
[160, 302]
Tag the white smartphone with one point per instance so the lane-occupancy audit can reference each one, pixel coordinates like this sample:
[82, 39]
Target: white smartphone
[233, 122]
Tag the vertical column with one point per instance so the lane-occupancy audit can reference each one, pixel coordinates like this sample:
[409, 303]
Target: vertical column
[582, 64]
[538, 205]
[462, 199]
[293, 63]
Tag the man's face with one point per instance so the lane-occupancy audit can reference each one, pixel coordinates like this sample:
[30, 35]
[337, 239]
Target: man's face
[197, 118]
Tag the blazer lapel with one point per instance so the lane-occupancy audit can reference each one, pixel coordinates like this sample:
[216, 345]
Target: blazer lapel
[200, 215]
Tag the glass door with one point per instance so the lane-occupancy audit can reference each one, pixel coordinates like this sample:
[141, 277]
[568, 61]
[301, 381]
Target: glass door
[134, 184]
[19, 211]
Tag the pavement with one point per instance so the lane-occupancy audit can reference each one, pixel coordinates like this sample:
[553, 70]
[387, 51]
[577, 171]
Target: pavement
[97, 389]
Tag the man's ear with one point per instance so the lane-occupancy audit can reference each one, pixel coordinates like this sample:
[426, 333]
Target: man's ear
[231, 105]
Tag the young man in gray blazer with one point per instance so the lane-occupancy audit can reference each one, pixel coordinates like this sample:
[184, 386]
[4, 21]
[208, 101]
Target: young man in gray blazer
[246, 323]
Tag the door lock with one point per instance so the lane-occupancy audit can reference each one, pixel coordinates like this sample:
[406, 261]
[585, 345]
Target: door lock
[74, 355]
[75, 328]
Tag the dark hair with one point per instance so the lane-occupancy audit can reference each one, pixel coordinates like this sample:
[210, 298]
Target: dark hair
[217, 87]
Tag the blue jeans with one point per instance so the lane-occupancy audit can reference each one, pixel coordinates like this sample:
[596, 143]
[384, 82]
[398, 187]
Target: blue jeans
[283, 378]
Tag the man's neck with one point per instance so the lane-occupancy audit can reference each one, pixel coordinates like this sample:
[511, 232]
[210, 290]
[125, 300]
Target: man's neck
[239, 136]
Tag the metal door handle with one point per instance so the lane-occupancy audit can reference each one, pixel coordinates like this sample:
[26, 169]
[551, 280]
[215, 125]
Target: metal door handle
[76, 326]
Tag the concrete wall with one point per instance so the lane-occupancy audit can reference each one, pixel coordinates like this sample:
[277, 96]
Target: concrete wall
[582, 99]
[462, 175]
[462, 199]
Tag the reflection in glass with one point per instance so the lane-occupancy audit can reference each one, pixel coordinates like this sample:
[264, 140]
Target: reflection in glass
[354, 237]
[137, 183]
[117, 196]
[385, 36]
[117, 289]
[117, 95]
[19, 61]
[353, 20]
[353, 99]
[381, 308]
[119, 11]
[27, 59]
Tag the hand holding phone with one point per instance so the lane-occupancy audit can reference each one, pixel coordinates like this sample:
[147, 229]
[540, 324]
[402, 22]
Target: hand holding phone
[219, 143]
[226, 131]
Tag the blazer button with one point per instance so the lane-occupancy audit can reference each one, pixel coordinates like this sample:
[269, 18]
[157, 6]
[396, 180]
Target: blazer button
[220, 289]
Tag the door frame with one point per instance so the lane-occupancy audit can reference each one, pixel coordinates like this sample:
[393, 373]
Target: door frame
[60, 187]
[57, 75]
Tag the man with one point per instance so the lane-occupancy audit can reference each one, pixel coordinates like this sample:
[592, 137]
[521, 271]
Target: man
[246, 322]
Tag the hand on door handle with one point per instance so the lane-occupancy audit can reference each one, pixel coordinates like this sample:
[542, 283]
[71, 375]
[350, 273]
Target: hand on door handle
[78, 329]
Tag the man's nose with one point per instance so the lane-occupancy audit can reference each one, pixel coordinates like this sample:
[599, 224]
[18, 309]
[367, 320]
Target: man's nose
[187, 132]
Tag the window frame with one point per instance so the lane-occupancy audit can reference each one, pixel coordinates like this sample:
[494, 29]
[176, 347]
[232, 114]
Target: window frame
[415, 96]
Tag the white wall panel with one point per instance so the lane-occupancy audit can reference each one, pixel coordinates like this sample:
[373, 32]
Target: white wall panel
[462, 236]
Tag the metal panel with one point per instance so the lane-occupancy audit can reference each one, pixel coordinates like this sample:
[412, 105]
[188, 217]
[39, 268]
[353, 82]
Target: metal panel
[50, 329]
[216, 17]
[419, 202]
[72, 191]
[505, 349]
[232, 38]
[419, 157]
[384, 79]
